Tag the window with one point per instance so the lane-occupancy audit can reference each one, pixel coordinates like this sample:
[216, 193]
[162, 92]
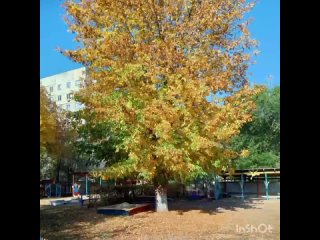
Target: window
[51, 89]
[68, 107]
[68, 84]
[79, 83]
[59, 86]
[59, 98]
[78, 106]
[69, 96]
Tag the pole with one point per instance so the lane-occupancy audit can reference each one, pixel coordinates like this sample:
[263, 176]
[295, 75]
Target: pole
[72, 184]
[266, 182]
[216, 187]
[86, 184]
[258, 187]
[242, 185]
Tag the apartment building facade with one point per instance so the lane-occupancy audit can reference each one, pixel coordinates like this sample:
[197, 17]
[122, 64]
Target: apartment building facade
[62, 86]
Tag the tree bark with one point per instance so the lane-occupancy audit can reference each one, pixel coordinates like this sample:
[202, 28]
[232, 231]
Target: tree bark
[58, 171]
[69, 181]
[161, 199]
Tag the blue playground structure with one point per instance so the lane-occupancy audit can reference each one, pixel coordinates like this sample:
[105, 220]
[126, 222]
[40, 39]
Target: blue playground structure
[53, 190]
[83, 179]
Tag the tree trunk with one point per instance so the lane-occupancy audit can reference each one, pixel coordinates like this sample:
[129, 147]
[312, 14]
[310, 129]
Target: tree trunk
[68, 176]
[58, 171]
[161, 199]
[69, 180]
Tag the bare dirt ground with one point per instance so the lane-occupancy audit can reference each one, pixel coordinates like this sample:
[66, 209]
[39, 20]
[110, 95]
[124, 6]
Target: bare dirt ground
[186, 220]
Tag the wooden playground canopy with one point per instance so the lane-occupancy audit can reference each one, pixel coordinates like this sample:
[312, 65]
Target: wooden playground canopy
[252, 175]
[83, 174]
[255, 173]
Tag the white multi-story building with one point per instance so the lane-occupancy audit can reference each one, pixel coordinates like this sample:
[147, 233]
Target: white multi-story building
[61, 87]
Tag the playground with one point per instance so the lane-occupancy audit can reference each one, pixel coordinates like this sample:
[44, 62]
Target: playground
[200, 219]
[245, 206]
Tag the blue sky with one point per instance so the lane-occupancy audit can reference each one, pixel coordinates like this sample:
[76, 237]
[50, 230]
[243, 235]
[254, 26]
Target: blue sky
[265, 28]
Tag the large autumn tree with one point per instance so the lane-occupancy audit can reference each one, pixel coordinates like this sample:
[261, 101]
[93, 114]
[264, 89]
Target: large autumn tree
[151, 66]
[48, 131]
[56, 137]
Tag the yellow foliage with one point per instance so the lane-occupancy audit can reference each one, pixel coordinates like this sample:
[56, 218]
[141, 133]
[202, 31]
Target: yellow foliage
[54, 133]
[48, 120]
[244, 153]
[154, 64]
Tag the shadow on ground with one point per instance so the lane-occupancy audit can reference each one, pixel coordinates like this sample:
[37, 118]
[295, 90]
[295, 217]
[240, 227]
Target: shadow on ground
[76, 222]
[214, 206]
[68, 222]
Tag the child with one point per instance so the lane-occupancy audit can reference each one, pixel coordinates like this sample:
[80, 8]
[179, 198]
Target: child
[76, 191]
